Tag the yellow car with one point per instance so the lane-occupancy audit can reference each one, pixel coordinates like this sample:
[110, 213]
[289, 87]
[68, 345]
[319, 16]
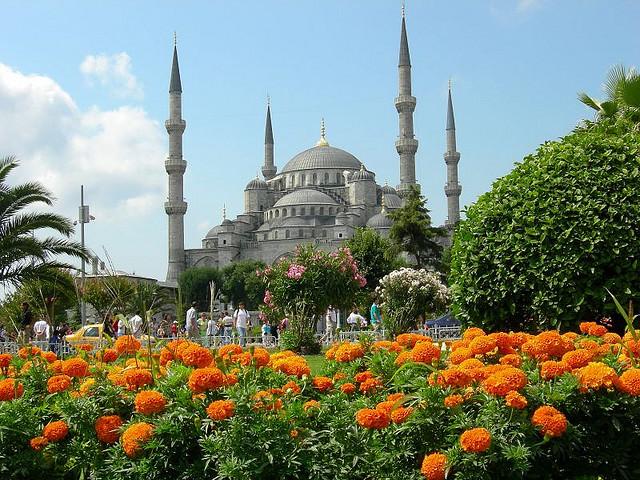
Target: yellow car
[92, 334]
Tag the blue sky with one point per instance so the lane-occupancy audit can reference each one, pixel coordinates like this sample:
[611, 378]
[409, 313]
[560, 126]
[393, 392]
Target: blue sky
[83, 95]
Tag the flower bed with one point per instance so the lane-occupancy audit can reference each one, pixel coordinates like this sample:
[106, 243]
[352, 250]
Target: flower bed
[488, 406]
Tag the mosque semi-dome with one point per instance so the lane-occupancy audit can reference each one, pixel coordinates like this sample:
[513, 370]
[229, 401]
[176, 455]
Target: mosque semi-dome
[362, 175]
[389, 190]
[305, 196]
[380, 220]
[322, 156]
[257, 184]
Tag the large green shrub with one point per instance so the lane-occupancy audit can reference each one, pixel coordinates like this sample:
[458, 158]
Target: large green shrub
[541, 247]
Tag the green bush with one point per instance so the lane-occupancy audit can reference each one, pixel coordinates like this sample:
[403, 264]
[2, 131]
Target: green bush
[545, 242]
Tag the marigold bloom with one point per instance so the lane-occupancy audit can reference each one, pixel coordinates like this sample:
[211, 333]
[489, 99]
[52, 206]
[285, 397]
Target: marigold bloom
[294, 433]
[482, 345]
[58, 383]
[518, 339]
[49, 357]
[5, 360]
[243, 359]
[585, 326]
[230, 379]
[261, 357]
[87, 385]
[629, 382]
[127, 344]
[515, 400]
[56, 367]
[348, 352]
[611, 338]
[596, 375]
[401, 414]
[109, 355]
[221, 409]
[503, 342]
[108, 428]
[30, 351]
[55, 431]
[371, 385]
[386, 345]
[502, 382]
[546, 345]
[409, 340]
[452, 401]
[476, 440]
[550, 422]
[84, 347]
[294, 365]
[75, 367]
[597, 330]
[134, 437]
[166, 356]
[322, 384]
[472, 332]
[10, 389]
[470, 364]
[362, 376]
[265, 401]
[308, 405]
[348, 388]
[578, 358]
[386, 406]
[425, 352]
[203, 379]
[552, 369]
[148, 402]
[226, 351]
[38, 443]
[372, 418]
[136, 378]
[197, 356]
[403, 358]
[512, 359]
[291, 387]
[450, 377]
[394, 397]
[434, 466]
[331, 353]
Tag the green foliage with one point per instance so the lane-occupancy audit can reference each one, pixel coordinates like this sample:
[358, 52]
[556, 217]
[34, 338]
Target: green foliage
[622, 87]
[240, 283]
[194, 285]
[412, 230]
[375, 255]
[302, 341]
[549, 237]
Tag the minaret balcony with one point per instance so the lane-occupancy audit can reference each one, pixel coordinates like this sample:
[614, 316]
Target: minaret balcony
[175, 207]
[406, 145]
[452, 190]
[451, 157]
[405, 103]
[174, 125]
[175, 165]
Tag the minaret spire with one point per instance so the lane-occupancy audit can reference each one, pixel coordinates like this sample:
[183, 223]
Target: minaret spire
[268, 169]
[406, 145]
[175, 166]
[452, 189]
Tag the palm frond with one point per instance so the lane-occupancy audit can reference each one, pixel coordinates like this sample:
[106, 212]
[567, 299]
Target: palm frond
[614, 84]
[631, 93]
[589, 102]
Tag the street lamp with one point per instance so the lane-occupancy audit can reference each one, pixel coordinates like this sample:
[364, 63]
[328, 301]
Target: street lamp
[83, 217]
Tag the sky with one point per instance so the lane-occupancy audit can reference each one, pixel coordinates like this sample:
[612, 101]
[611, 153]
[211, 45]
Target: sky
[84, 94]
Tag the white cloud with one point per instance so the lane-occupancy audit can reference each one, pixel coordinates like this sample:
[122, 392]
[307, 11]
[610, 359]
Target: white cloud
[525, 5]
[113, 72]
[117, 154]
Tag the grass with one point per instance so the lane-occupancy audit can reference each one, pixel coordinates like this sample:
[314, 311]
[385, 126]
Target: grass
[316, 362]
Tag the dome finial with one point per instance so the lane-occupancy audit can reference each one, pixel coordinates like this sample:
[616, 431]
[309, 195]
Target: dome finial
[175, 39]
[268, 100]
[323, 141]
[224, 212]
[402, 9]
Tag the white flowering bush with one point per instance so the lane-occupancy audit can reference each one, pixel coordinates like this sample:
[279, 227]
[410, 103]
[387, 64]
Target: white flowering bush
[407, 293]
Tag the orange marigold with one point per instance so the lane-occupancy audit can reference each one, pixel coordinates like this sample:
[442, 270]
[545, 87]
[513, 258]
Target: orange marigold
[135, 436]
[108, 428]
[362, 376]
[348, 388]
[386, 406]
[550, 422]
[322, 384]
[611, 338]
[503, 381]
[308, 405]
[450, 377]
[109, 355]
[476, 440]
[473, 332]
[403, 358]
[136, 378]
[452, 401]
[10, 389]
[503, 342]
[127, 344]
[261, 357]
[371, 385]
[294, 365]
[75, 367]
[291, 387]
[148, 402]
[265, 401]
[372, 418]
[518, 339]
[578, 358]
[515, 400]
[629, 382]
[230, 379]
[585, 326]
[425, 352]
[38, 443]
[401, 414]
[203, 379]
[58, 383]
[512, 359]
[221, 409]
[434, 466]
[243, 359]
[597, 330]
[166, 356]
[459, 355]
[226, 351]
[596, 375]
[49, 357]
[386, 345]
[409, 340]
[55, 431]
[30, 351]
[348, 352]
[5, 360]
[85, 347]
[482, 345]
[197, 356]
[552, 369]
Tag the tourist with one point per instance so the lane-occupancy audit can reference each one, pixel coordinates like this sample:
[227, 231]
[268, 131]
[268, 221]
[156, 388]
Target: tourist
[190, 324]
[26, 317]
[41, 330]
[136, 324]
[54, 341]
[212, 330]
[376, 316]
[3, 334]
[114, 325]
[122, 324]
[241, 318]
[227, 322]
[107, 328]
[174, 329]
[354, 319]
[160, 333]
[266, 333]
[330, 321]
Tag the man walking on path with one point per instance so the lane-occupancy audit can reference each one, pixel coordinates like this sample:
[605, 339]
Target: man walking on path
[376, 316]
[227, 325]
[241, 317]
[190, 325]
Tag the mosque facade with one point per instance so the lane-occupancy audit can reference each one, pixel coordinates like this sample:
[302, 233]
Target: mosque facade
[320, 196]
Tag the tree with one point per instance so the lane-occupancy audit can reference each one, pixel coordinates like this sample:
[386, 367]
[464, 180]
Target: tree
[622, 88]
[23, 255]
[375, 255]
[412, 230]
[539, 249]
[240, 283]
[194, 285]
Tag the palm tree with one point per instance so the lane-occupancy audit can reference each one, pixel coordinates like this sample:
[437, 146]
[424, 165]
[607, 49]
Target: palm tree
[23, 255]
[622, 88]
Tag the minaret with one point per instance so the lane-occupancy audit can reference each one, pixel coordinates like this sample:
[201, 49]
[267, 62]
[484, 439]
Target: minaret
[175, 206]
[269, 169]
[406, 145]
[451, 157]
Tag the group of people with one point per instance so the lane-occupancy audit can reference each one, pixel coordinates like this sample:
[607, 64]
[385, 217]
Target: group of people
[224, 326]
[354, 321]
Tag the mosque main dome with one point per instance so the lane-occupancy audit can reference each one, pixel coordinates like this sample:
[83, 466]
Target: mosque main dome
[322, 156]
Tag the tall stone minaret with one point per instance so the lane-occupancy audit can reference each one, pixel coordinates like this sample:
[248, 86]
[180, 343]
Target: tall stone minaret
[451, 157]
[406, 145]
[269, 169]
[175, 206]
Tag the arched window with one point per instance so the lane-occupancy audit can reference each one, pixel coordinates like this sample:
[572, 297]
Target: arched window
[302, 211]
[321, 210]
[291, 181]
[277, 213]
[261, 207]
[275, 235]
[330, 210]
[338, 178]
[284, 212]
[264, 237]
[312, 210]
[326, 178]
[293, 211]
[302, 179]
[287, 234]
[314, 179]
[300, 233]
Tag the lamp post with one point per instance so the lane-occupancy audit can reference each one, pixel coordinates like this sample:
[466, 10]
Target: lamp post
[83, 217]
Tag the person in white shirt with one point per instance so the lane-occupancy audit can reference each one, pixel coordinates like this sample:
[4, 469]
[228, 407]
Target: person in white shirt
[354, 319]
[212, 329]
[122, 324]
[136, 325]
[241, 317]
[191, 325]
[41, 330]
[227, 327]
[266, 334]
[330, 320]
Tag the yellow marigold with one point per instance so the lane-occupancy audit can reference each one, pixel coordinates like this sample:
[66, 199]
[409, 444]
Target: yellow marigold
[221, 409]
[322, 384]
[401, 414]
[512, 359]
[434, 466]
[226, 351]
[550, 422]
[203, 379]
[197, 356]
[148, 402]
[308, 405]
[578, 358]
[137, 377]
[371, 385]
[127, 344]
[86, 386]
[30, 351]
[135, 436]
[55, 431]
[348, 352]
[473, 332]
[372, 418]
[38, 443]
[452, 401]
[425, 352]
[75, 367]
[409, 340]
[629, 382]
[108, 428]
[596, 375]
[552, 369]
[49, 357]
[515, 400]
[348, 388]
[502, 382]
[482, 345]
[476, 440]
[58, 383]
[10, 389]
